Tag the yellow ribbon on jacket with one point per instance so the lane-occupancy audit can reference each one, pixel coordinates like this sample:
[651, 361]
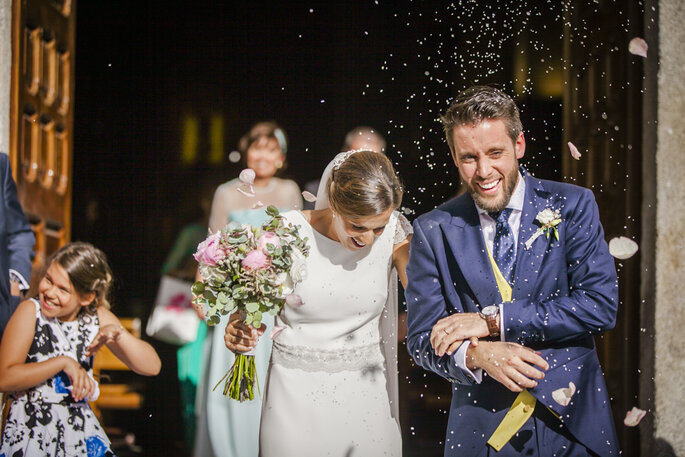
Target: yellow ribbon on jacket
[524, 404]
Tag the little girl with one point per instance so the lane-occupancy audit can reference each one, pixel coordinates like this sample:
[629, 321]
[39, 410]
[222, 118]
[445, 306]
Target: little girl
[46, 358]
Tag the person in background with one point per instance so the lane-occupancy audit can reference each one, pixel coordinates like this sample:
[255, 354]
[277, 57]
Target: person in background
[47, 352]
[358, 138]
[181, 264]
[227, 428]
[16, 245]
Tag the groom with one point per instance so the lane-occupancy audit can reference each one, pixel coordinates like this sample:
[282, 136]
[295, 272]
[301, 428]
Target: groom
[508, 283]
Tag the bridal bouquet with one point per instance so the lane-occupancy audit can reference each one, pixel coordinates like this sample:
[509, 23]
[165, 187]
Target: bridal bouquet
[251, 270]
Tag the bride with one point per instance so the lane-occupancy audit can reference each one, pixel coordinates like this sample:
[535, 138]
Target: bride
[331, 388]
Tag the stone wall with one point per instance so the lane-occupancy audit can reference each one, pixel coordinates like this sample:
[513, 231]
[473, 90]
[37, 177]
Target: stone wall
[5, 72]
[669, 344]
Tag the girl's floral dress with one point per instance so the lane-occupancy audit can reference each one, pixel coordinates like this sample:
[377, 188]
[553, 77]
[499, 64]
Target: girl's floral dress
[45, 420]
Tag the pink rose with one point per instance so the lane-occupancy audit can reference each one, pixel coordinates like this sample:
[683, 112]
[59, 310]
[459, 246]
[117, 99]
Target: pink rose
[247, 176]
[209, 251]
[294, 300]
[269, 238]
[255, 260]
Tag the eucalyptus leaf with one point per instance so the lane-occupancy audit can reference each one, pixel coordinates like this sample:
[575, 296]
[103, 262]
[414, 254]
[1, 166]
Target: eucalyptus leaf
[251, 307]
[198, 288]
[238, 240]
[230, 306]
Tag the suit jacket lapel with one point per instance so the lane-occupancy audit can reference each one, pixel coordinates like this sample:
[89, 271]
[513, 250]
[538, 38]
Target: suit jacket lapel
[465, 239]
[528, 261]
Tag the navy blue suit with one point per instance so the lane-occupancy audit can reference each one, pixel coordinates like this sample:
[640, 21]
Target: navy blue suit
[16, 241]
[564, 292]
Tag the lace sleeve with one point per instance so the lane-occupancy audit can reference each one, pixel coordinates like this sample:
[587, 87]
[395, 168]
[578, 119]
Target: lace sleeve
[403, 229]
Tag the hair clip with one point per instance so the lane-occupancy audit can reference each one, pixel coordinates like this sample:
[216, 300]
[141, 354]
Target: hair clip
[280, 137]
[343, 157]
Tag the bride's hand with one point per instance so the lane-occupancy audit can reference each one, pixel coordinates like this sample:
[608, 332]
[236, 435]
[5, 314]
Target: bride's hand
[240, 337]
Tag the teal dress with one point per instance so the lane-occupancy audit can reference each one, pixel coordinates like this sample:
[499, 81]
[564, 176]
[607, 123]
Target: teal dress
[230, 428]
[189, 357]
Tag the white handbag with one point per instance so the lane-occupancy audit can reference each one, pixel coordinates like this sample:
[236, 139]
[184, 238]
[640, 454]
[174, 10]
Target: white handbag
[173, 319]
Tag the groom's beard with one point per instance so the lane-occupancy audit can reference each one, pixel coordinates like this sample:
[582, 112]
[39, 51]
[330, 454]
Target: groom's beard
[498, 204]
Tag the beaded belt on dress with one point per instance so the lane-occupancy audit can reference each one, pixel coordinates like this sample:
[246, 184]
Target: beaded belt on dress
[331, 360]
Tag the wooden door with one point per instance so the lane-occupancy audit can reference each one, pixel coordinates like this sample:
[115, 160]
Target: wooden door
[602, 115]
[41, 118]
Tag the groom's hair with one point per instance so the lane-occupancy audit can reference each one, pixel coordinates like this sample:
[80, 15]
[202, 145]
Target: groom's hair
[479, 103]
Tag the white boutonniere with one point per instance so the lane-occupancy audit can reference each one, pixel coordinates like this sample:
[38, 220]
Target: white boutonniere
[548, 219]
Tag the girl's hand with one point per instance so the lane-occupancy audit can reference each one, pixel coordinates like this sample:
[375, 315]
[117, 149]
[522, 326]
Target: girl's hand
[82, 385]
[240, 337]
[107, 334]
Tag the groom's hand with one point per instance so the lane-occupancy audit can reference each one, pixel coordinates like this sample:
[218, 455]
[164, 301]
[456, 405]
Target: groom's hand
[449, 332]
[511, 364]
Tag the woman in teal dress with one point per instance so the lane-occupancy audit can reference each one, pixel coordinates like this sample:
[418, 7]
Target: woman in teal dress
[180, 264]
[227, 428]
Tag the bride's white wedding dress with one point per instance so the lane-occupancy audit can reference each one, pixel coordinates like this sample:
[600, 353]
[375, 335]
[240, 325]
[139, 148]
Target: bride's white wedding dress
[332, 382]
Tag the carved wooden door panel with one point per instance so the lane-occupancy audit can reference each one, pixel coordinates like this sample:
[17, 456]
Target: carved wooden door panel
[602, 117]
[41, 122]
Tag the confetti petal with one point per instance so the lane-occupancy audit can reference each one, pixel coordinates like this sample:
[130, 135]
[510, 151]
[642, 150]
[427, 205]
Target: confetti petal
[634, 416]
[638, 47]
[247, 176]
[294, 300]
[622, 248]
[247, 193]
[308, 196]
[276, 331]
[259, 204]
[563, 395]
[574, 151]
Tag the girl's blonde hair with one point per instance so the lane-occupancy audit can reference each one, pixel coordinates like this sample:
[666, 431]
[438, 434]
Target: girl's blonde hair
[364, 184]
[88, 271]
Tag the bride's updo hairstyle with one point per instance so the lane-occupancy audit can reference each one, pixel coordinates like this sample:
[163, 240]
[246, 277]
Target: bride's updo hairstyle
[364, 184]
[88, 271]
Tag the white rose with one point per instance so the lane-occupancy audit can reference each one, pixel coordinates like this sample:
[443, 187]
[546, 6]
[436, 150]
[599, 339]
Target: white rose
[279, 279]
[298, 270]
[546, 216]
[283, 281]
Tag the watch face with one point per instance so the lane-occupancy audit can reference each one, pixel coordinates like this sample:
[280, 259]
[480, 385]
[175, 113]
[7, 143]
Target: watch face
[490, 310]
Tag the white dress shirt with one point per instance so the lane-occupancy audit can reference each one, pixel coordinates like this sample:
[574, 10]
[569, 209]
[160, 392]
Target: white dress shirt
[488, 227]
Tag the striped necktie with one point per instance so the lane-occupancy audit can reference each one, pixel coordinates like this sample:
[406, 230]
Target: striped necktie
[504, 248]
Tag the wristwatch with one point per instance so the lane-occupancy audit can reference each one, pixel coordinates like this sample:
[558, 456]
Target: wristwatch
[490, 313]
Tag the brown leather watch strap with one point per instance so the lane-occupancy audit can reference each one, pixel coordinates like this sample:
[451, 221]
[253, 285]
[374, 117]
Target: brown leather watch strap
[493, 327]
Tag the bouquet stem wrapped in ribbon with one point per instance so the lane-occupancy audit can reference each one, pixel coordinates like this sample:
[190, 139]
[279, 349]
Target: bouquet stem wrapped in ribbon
[250, 270]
